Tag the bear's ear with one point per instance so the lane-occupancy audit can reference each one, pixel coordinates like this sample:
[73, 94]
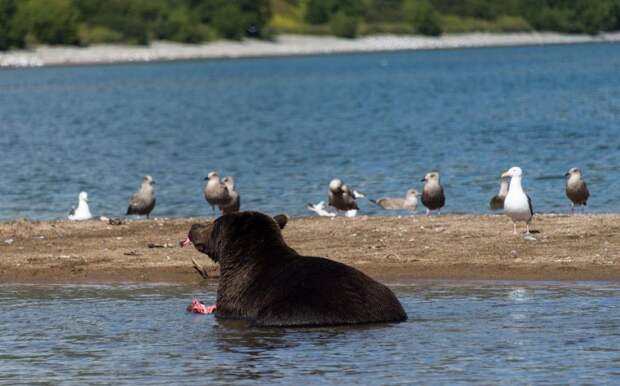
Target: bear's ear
[281, 219]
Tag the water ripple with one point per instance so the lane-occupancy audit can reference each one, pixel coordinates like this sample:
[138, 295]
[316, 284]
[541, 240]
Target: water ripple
[457, 333]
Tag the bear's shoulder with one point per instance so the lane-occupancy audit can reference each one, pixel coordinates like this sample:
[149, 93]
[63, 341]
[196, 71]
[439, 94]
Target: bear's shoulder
[318, 291]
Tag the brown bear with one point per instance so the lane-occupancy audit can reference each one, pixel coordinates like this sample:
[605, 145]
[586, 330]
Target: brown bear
[266, 282]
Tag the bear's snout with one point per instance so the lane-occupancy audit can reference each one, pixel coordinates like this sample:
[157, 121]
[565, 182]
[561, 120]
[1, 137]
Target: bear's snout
[199, 236]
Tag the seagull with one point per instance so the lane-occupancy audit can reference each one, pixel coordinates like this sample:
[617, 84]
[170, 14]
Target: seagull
[320, 209]
[517, 204]
[341, 197]
[82, 212]
[234, 202]
[409, 202]
[432, 194]
[497, 202]
[215, 191]
[576, 188]
[143, 201]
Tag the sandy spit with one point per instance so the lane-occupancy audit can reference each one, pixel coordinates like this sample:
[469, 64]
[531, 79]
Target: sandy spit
[580, 247]
[283, 45]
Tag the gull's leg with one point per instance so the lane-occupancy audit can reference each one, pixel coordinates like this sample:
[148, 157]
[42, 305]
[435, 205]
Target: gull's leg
[572, 208]
[428, 212]
[527, 228]
[514, 228]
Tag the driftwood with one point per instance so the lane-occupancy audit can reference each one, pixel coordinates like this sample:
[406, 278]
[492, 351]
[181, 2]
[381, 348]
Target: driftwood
[202, 271]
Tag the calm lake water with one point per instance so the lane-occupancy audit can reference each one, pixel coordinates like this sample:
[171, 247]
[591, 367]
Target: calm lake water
[458, 333]
[285, 126]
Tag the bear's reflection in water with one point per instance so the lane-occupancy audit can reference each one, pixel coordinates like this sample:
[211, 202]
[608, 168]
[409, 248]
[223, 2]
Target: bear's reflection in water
[301, 348]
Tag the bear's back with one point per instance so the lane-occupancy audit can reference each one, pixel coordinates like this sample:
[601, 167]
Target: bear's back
[313, 291]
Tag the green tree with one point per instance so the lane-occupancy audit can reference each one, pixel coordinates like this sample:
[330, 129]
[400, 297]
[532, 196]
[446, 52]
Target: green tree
[257, 14]
[7, 11]
[383, 10]
[229, 21]
[423, 16]
[343, 25]
[134, 20]
[318, 11]
[321, 11]
[233, 19]
[593, 16]
[46, 21]
[181, 25]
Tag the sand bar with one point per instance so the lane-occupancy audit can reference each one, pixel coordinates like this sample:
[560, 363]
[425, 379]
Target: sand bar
[580, 247]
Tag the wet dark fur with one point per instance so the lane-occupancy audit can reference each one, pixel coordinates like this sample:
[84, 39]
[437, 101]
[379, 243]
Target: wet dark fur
[265, 281]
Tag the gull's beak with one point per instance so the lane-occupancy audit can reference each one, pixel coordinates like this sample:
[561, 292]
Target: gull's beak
[423, 179]
[566, 174]
[206, 179]
[506, 174]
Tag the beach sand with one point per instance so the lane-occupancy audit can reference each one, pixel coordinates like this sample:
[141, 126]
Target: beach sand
[580, 247]
[282, 45]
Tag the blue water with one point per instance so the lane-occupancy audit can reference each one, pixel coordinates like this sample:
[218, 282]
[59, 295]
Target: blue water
[285, 126]
[499, 333]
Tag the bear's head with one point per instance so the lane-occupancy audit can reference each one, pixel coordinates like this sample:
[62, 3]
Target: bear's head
[237, 234]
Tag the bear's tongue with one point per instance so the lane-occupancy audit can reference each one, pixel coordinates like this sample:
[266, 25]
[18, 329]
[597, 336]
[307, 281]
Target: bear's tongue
[185, 242]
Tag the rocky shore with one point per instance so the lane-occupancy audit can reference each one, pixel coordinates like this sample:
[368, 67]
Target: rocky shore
[283, 45]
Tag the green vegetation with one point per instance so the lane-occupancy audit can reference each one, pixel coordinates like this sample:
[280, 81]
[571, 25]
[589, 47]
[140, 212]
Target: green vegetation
[343, 25]
[422, 16]
[433, 17]
[82, 22]
[26, 23]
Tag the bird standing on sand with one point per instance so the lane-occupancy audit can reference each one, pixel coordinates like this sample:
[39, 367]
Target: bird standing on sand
[497, 202]
[341, 197]
[576, 188]
[215, 191]
[517, 204]
[432, 194]
[82, 212]
[143, 201]
[409, 202]
[234, 202]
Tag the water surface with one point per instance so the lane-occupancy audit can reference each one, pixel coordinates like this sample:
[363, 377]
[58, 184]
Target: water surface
[457, 333]
[285, 126]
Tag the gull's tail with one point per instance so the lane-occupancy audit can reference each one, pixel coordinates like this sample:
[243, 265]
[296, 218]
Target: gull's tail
[320, 209]
[376, 202]
[357, 194]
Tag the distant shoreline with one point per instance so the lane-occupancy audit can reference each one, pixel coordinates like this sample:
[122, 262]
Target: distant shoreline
[283, 45]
